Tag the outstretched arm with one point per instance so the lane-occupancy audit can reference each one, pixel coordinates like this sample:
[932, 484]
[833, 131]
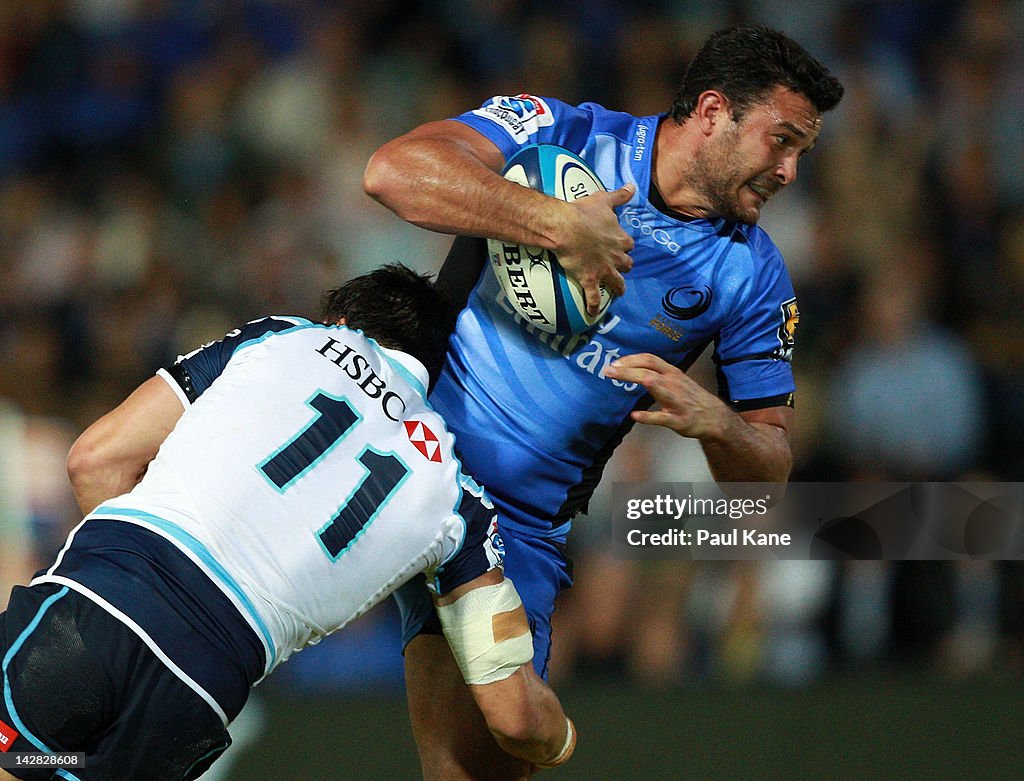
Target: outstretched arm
[444, 176]
[747, 447]
[112, 455]
[485, 624]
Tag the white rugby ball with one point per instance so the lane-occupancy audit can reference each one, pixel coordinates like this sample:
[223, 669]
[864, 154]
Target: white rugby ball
[536, 285]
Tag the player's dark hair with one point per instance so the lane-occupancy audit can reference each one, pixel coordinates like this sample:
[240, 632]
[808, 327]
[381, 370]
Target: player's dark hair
[745, 63]
[397, 308]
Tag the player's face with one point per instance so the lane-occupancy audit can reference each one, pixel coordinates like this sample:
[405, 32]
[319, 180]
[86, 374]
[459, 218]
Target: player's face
[751, 160]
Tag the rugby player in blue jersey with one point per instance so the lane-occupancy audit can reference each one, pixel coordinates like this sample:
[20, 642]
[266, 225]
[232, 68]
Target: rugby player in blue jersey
[537, 418]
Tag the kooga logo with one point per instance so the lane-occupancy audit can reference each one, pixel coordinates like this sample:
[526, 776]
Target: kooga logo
[635, 219]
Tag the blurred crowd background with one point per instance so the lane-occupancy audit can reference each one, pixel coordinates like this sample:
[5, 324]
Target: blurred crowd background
[171, 168]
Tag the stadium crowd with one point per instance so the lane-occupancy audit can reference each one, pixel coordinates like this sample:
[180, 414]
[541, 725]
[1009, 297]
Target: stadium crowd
[169, 168]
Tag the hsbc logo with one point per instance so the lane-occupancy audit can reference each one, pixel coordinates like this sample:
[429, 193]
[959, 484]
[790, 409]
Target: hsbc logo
[424, 440]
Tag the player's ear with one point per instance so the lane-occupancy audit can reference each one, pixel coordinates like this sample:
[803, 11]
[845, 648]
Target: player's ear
[712, 109]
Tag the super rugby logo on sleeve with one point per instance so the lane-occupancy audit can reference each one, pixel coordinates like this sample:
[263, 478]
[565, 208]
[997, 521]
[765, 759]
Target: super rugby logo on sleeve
[787, 331]
[7, 737]
[520, 115]
[496, 545]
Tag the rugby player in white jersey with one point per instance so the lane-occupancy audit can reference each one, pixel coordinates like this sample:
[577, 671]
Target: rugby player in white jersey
[256, 496]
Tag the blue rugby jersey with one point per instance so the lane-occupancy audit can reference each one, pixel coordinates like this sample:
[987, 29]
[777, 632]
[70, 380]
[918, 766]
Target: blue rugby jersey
[534, 416]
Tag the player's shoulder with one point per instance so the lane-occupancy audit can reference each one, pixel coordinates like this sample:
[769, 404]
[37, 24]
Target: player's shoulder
[600, 121]
[527, 118]
[611, 121]
[753, 242]
[263, 327]
[751, 266]
[252, 332]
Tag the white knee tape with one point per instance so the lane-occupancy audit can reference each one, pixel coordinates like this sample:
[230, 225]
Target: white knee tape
[488, 632]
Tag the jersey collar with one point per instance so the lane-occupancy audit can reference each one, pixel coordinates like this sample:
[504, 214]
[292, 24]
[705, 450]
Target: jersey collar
[409, 363]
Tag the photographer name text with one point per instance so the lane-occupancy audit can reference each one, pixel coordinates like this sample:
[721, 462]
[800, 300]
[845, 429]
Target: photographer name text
[704, 538]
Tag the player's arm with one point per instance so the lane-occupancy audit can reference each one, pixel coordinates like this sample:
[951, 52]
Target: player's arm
[486, 626]
[741, 447]
[112, 455]
[445, 176]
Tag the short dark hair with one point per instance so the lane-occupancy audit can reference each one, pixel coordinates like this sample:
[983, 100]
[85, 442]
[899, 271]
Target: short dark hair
[745, 63]
[397, 308]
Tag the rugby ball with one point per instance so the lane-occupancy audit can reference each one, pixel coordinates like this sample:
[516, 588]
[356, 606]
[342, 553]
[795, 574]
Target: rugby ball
[536, 285]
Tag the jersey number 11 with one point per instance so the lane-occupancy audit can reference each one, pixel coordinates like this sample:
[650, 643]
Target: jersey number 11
[334, 419]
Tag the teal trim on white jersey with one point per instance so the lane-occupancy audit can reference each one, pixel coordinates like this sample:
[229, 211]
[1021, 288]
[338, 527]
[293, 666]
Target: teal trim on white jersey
[208, 561]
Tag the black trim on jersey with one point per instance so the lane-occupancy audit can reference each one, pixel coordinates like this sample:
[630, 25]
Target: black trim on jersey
[206, 364]
[471, 561]
[462, 268]
[723, 227]
[746, 405]
[180, 374]
[185, 613]
[578, 497]
[754, 357]
[658, 202]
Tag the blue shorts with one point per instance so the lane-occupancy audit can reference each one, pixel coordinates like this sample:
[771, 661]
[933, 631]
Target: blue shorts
[76, 679]
[539, 569]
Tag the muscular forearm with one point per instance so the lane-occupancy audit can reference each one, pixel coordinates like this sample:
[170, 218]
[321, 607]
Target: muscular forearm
[442, 184]
[748, 447]
[746, 452]
[444, 176]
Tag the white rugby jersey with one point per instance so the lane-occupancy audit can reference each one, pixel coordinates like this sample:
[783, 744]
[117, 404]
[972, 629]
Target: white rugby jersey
[308, 478]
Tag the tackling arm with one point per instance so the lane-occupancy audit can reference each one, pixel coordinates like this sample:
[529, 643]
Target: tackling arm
[485, 624]
[111, 456]
[443, 176]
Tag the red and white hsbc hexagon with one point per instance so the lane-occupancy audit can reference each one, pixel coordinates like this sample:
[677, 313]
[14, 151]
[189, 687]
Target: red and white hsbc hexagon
[424, 440]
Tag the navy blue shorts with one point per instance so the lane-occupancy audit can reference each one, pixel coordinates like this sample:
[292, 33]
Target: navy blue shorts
[75, 678]
[539, 569]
